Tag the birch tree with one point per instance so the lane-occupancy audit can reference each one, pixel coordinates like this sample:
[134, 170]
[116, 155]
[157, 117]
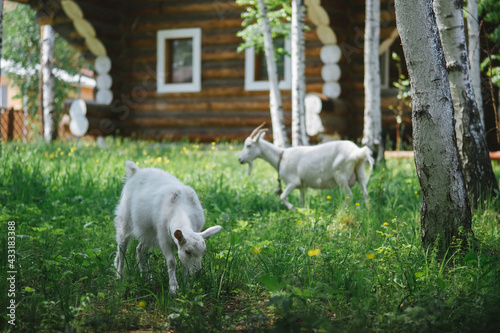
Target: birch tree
[445, 206]
[299, 135]
[474, 54]
[471, 138]
[372, 131]
[280, 138]
[49, 124]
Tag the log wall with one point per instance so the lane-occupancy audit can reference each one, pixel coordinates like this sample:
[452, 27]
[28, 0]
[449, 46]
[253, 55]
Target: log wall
[222, 109]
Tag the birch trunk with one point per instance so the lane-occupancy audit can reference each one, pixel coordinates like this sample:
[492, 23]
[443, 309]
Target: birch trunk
[372, 131]
[299, 135]
[471, 137]
[280, 138]
[49, 126]
[445, 205]
[474, 54]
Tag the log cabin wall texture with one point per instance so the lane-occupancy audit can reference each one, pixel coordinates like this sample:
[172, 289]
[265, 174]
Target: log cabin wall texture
[223, 108]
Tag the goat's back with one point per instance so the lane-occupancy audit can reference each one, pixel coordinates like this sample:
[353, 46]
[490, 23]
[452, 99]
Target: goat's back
[152, 197]
[317, 166]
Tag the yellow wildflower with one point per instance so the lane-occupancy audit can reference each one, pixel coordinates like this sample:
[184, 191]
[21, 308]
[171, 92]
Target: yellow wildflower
[141, 304]
[328, 197]
[386, 224]
[256, 250]
[357, 203]
[314, 252]
[370, 256]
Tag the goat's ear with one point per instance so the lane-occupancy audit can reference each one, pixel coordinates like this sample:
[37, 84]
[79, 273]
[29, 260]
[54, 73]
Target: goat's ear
[180, 237]
[261, 134]
[210, 231]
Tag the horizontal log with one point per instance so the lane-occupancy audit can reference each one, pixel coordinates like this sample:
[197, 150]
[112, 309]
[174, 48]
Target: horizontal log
[193, 135]
[218, 8]
[195, 120]
[144, 25]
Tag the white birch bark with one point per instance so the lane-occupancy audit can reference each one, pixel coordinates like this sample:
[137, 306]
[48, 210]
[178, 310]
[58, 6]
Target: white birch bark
[471, 137]
[372, 131]
[299, 135]
[475, 54]
[280, 138]
[49, 126]
[445, 205]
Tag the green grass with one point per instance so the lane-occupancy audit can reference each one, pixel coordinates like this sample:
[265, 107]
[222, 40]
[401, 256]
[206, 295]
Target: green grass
[330, 266]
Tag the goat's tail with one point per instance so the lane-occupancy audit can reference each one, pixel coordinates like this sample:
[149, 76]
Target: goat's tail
[362, 155]
[131, 169]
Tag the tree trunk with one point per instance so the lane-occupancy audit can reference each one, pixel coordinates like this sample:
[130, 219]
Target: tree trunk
[299, 135]
[471, 137]
[372, 132]
[50, 128]
[279, 131]
[474, 55]
[445, 206]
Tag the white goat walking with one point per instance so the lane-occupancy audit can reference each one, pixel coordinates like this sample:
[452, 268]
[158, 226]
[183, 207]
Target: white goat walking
[336, 163]
[161, 211]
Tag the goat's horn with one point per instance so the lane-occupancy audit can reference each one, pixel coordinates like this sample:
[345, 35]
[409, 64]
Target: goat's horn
[255, 131]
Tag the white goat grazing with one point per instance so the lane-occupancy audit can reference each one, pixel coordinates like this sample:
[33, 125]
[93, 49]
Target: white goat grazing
[161, 211]
[336, 163]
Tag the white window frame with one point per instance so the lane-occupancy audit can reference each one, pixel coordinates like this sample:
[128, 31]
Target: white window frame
[161, 36]
[254, 85]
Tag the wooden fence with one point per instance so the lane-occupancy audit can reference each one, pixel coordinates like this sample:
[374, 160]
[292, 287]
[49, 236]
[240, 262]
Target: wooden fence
[16, 126]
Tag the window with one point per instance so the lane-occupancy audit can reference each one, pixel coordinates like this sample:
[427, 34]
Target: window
[256, 76]
[179, 60]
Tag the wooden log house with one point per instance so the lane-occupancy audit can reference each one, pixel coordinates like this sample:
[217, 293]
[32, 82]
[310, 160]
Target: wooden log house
[169, 69]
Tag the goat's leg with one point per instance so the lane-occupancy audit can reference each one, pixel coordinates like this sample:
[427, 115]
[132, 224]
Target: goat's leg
[302, 197]
[289, 188]
[120, 254]
[140, 260]
[362, 180]
[168, 252]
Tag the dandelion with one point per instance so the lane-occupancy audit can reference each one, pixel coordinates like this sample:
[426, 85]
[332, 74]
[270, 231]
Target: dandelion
[299, 222]
[314, 252]
[141, 304]
[213, 143]
[347, 198]
[256, 250]
[328, 197]
[370, 256]
[386, 224]
[357, 203]
[230, 147]
[69, 154]
[51, 156]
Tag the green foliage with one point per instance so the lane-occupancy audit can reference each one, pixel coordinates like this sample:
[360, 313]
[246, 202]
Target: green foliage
[22, 45]
[331, 266]
[489, 11]
[279, 15]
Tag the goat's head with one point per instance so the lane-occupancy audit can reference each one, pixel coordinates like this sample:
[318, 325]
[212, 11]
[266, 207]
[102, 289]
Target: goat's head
[251, 149]
[191, 247]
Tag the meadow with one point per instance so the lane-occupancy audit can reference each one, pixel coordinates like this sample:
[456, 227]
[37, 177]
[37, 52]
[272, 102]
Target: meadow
[331, 266]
